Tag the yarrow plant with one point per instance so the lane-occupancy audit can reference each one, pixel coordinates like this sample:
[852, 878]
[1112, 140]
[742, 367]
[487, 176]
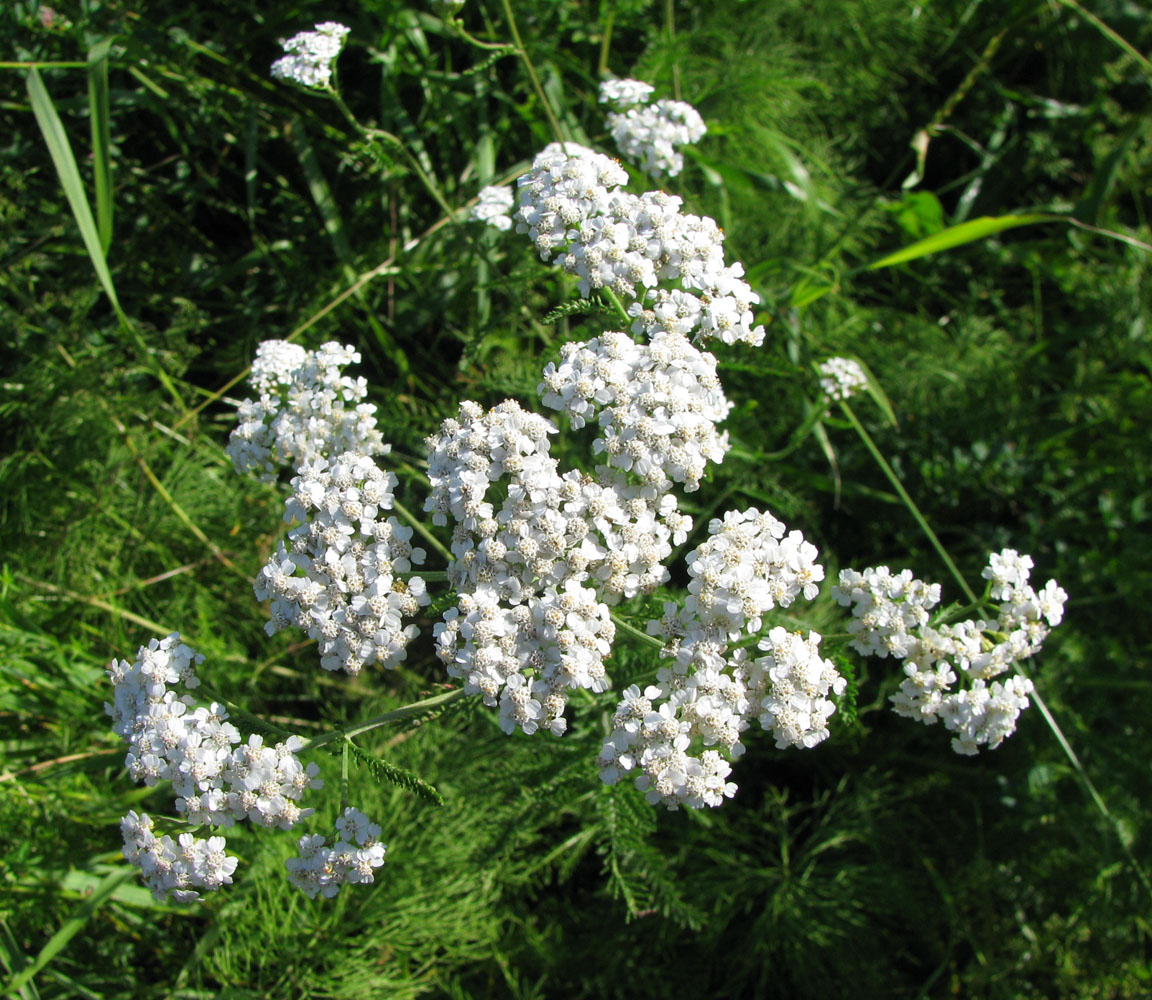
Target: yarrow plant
[540, 560]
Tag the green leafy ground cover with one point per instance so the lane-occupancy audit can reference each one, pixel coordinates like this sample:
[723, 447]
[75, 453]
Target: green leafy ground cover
[238, 209]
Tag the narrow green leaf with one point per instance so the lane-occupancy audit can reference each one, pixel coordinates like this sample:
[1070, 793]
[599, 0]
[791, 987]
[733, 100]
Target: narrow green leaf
[13, 960]
[321, 194]
[69, 929]
[955, 236]
[100, 118]
[65, 163]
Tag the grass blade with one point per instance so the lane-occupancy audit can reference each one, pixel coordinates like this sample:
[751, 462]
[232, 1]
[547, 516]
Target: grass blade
[100, 117]
[956, 236]
[66, 169]
[70, 928]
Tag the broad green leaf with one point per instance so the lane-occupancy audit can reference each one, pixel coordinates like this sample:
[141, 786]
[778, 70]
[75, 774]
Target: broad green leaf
[65, 163]
[956, 236]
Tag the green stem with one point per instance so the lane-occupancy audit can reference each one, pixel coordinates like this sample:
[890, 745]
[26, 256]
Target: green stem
[1089, 786]
[346, 750]
[396, 715]
[461, 32]
[632, 630]
[614, 299]
[670, 21]
[422, 531]
[909, 502]
[386, 137]
[553, 121]
[606, 44]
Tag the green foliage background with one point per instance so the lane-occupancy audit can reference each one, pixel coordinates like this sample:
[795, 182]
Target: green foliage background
[879, 864]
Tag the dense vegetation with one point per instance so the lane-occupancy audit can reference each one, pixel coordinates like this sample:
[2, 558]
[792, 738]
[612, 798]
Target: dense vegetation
[1018, 368]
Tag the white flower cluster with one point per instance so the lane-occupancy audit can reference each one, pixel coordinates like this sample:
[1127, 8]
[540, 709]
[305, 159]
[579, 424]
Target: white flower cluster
[841, 378]
[708, 697]
[625, 93]
[572, 207]
[493, 206]
[657, 405]
[527, 628]
[650, 134]
[216, 777]
[306, 409]
[310, 55]
[321, 869]
[340, 576]
[891, 618]
[175, 869]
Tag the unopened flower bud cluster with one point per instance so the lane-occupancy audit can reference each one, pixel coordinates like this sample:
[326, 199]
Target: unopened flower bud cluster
[841, 378]
[681, 732]
[218, 779]
[657, 405]
[668, 265]
[306, 408]
[650, 134]
[321, 868]
[341, 577]
[310, 55]
[948, 666]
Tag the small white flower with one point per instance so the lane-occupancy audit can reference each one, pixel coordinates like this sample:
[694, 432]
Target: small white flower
[493, 207]
[841, 378]
[310, 55]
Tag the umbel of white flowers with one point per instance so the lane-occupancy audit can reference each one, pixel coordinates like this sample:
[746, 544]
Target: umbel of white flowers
[305, 409]
[681, 732]
[309, 55]
[219, 779]
[667, 266]
[841, 378]
[343, 576]
[948, 667]
[650, 134]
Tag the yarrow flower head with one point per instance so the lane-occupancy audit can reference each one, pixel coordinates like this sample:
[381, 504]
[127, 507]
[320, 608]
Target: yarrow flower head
[536, 570]
[310, 55]
[948, 666]
[670, 266]
[657, 405]
[343, 574]
[321, 868]
[175, 869]
[650, 135]
[681, 732]
[493, 206]
[217, 777]
[305, 409]
[625, 93]
[841, 378]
